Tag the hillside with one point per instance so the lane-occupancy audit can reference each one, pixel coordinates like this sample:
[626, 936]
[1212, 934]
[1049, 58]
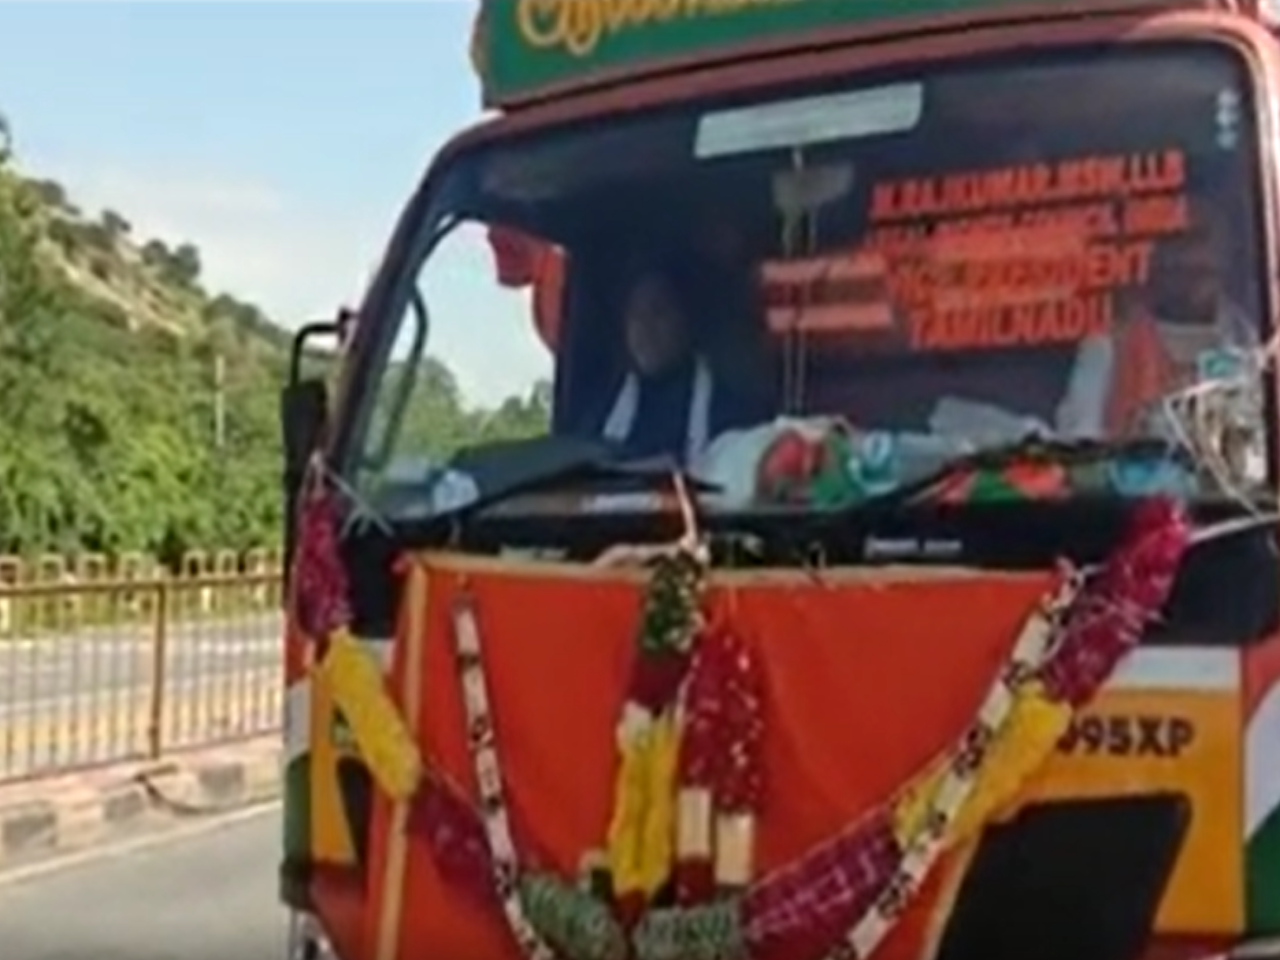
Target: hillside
[111, 435]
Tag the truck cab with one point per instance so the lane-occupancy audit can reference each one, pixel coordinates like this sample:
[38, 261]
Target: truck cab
[899, 312]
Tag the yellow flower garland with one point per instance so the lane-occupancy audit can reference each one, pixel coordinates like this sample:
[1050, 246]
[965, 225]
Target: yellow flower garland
[641, 844]
[1023, 746]
[354, 679]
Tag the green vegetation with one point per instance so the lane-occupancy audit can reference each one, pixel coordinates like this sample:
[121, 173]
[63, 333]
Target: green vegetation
[113, 357]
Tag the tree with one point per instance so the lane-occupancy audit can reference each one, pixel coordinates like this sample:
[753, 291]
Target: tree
[184, 265]
[155, 254]
[520, 416]
[101, 266]
[63, 233]
[93, 236]
[541, 396]
[34, 474]
[107, 440]
[51, 193]
[117, 227]
[222, 305]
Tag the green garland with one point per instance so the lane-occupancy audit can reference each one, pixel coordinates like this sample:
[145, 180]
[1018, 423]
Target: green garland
[671, 616]
[710, 932]
[572, 919]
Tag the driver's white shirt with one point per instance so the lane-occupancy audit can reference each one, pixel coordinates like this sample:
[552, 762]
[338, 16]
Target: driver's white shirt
[1082, 412]
[622, 415]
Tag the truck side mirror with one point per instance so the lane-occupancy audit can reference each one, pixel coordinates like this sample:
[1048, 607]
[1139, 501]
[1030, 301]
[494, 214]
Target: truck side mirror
[304, 417]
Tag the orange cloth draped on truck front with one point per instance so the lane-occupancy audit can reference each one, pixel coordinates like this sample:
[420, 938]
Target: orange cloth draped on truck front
[850, 651]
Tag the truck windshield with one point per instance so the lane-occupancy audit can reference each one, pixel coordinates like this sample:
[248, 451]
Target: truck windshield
[939, 259]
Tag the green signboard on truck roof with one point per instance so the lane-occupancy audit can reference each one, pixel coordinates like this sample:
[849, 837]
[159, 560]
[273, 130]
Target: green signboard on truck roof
[528, 48]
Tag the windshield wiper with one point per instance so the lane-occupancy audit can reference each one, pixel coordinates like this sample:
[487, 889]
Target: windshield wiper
[507, 470]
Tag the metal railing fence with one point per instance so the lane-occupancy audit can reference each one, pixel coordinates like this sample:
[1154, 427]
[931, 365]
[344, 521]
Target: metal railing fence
[110, 663]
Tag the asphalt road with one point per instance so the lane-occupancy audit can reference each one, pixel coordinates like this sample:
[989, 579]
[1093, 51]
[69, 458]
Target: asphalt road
[40, 676]
[205, 897]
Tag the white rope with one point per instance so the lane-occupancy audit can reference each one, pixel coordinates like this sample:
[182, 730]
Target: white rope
[1199, 414]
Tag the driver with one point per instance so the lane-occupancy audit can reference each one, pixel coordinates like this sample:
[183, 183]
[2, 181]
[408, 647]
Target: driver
[1186, 316]
[670, 402]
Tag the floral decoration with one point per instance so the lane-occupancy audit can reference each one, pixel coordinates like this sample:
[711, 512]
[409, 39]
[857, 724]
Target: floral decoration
[676, 880]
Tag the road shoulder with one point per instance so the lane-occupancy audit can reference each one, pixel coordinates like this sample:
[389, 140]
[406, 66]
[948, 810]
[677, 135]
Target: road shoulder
[57, 816]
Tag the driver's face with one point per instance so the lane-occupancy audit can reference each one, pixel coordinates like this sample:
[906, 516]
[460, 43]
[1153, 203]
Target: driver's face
[657, 337]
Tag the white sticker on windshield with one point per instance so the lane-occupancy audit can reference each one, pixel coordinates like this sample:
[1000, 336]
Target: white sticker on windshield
[797, 123]
[1228, 119]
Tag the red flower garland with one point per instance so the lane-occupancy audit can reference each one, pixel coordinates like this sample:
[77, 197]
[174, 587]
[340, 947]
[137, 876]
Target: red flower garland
[803, 909]
[1120, 601]
[457, 839]
[720, 746]
[319, 579]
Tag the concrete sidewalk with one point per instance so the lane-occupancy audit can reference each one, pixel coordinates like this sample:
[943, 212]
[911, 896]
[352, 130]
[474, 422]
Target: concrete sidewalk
[48, 817]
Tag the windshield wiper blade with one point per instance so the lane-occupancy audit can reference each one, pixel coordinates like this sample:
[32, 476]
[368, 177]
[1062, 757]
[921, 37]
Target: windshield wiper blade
[507, 470]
